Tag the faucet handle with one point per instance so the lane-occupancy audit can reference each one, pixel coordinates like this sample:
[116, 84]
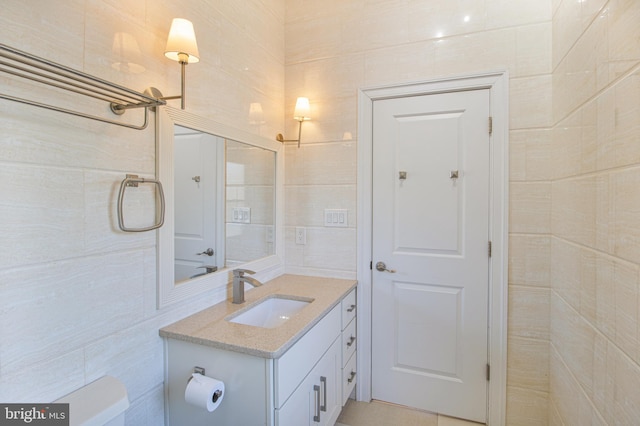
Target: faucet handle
[241, 272]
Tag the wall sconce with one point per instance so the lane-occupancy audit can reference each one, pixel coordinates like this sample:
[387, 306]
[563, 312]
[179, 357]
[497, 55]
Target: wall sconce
[181, 47]
[301, 113]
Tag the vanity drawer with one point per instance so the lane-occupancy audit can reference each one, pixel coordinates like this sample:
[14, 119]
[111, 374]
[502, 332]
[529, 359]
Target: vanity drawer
[297, 362]
[349, 377]
[348, 342]
[348, 308]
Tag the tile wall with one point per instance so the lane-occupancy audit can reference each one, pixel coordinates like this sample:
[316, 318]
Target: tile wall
[333, 48]
[595, 231]
[77, 296]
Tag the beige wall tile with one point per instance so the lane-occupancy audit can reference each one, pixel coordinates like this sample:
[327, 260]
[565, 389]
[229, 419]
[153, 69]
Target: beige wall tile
[434, 19]
[618, 114]
[62, 317]
[564, 391]
[42, 215]
[44, 381]
[528, 364]
[530, 102]
[57, 20]
[339, 257]
[530, 207]
[321, 164]
[626, 404]
[526, 407]
[410, 62]
[622, 17]
[528, 312]
[574, 149]
[135, 355]
[605, 219]
[532, 159]
[603, 378]
[306, 203]
[574, 277]
[554, 415]
[148, 409]
[529, 260]
[574, 340]
[576, 78]
[574, 210]
[626, 307]
[626, 207]
[519, 12]
[533, 55]
[498, 48]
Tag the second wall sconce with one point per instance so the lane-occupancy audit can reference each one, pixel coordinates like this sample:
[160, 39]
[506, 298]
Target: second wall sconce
[182, 47]
[301, 113]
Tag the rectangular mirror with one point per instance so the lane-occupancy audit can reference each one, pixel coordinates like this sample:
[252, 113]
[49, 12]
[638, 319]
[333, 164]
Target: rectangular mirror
[221, 187]
[224, 203]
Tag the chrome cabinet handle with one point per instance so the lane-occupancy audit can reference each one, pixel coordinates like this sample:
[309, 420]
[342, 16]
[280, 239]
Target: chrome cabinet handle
[380, 266]
[351, 308]
[323, 384]
[316, 417]
[353, 376]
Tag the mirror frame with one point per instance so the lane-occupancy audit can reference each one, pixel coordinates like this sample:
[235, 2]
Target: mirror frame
[267, 267]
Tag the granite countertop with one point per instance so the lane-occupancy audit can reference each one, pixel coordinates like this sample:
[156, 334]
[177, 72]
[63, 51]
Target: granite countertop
[209, 327]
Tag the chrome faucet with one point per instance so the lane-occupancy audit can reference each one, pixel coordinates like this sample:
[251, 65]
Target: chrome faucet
[238, 284]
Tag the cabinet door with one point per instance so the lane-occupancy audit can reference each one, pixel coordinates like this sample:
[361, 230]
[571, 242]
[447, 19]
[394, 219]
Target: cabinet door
[316, 402]
[330, 377]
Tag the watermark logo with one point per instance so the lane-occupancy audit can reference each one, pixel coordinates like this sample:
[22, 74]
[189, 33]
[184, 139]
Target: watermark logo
[34, 414]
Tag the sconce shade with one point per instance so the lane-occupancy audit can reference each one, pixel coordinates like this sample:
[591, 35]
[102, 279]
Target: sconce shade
[182, 40]
[125, 52]
[301, 112]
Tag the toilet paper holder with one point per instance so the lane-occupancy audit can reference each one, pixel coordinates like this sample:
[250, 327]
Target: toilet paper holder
[199, 370]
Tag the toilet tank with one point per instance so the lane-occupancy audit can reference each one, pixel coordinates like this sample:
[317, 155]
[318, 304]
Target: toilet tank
[99, 403]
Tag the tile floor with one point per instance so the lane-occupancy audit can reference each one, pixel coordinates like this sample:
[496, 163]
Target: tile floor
[378, 413]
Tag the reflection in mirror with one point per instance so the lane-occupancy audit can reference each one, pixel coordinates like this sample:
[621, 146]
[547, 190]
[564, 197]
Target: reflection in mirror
[197, 160]
[222, 188]
[250, 211]
[211, 235]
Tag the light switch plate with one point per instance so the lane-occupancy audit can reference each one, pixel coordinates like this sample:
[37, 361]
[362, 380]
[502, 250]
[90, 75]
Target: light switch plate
[337, 218]
[241, 215]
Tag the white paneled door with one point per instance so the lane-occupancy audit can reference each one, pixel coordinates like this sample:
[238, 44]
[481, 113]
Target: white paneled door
[431, 164]
[195, 183]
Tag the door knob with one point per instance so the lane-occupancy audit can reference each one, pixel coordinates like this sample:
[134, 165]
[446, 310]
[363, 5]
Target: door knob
[380, 266]
[208, 252]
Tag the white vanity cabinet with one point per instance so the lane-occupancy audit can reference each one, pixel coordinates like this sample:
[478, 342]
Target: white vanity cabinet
[317, 400]
[304, 386]
[349, 337]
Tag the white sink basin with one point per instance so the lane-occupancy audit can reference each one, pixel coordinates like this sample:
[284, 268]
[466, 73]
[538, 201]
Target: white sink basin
[271, 312]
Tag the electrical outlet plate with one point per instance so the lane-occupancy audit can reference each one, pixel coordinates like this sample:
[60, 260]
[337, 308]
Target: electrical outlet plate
[301, 235]
[336, 218]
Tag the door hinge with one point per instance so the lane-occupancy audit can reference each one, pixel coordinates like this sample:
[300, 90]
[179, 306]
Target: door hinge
[489, 248]
[488, 372]
[490, 126]
[371, 265]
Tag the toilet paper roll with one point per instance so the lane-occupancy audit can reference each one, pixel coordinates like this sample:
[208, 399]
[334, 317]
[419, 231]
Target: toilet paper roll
[204, 392]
